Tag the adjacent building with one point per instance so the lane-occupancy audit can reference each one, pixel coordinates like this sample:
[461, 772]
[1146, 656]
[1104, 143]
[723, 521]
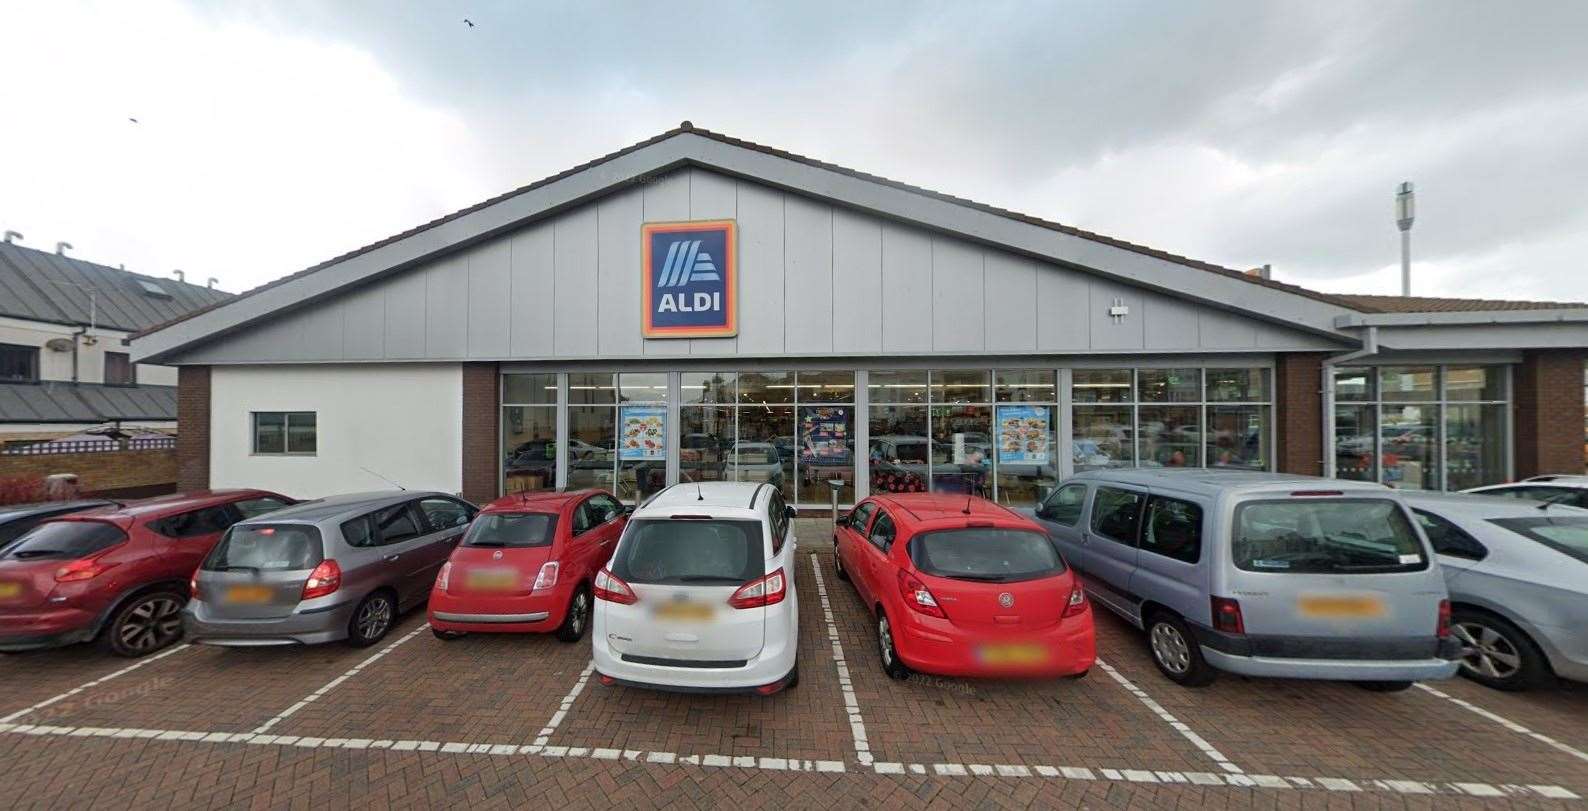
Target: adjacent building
[697, 307]
[64, 363]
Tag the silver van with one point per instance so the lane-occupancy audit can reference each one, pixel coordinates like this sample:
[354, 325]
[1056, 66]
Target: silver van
[1259, 574]
[326, 570]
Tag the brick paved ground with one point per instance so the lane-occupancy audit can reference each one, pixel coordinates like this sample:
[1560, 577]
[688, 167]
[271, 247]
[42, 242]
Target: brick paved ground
[435, 723]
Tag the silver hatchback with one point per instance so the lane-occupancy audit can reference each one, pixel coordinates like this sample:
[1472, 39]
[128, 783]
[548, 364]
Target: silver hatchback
[326, 570]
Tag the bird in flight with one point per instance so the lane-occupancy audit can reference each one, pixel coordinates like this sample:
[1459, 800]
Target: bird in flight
[133, 120]
[468, 22]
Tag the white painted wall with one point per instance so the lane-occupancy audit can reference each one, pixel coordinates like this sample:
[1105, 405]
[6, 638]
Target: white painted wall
[90, 357]
[404, 421]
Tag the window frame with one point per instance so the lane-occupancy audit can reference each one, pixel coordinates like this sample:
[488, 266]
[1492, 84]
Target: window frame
[415, 515]
[283, 501]
[286, 433]
[876, 523]
[468, 510]
[32, 353]
[1046, 515]
[1144, 525]
[1476, 550]
[130, 378]
[1141, 505]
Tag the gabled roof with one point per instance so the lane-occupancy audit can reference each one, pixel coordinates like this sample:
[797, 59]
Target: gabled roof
[84, 402]
[48, 287]
[1428, 304]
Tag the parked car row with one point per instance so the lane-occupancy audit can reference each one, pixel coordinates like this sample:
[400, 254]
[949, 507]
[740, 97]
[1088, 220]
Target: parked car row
[1251, 573]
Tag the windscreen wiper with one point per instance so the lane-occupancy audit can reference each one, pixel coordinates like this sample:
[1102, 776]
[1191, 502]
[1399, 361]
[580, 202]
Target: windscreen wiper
[709, 579]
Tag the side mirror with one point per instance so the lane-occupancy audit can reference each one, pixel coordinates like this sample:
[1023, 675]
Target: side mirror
[790, 512]
[628, 509]
[1044, 512]
[843, 520]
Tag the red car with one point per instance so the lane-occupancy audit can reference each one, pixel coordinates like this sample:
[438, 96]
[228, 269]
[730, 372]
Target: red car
[960, 586]
[117, 574]
[526, 565]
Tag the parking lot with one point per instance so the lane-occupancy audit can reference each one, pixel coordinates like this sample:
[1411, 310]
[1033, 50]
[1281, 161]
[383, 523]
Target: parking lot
[510, 720]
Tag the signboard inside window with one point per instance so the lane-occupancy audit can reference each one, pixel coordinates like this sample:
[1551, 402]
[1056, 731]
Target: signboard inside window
[689, 279]
[1023, 434]
[642, 433]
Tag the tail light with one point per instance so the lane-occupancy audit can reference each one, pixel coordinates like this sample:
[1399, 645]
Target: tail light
[325, 579]
[1227, 616]
[192, 586]
[547, 577]
[917, 596]
[79, 570]
[1444, 619]
[444, 577]
[1077, 604]
[608, 587]
[762, 591]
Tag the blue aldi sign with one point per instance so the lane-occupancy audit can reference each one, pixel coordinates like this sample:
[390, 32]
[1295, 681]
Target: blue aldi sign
[691, 279]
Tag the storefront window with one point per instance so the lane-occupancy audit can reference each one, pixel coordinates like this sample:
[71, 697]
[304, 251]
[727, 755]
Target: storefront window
[641, 435]
[536, 389]
[1170, 385]
[591, 389]
[592, 446]
[1422, 427]
[1410, 446]
[1237, 385]
[1408, 384]
[1219, 417]
[957, 386]
[897, 387]
[767, 388]
[1102, 386]
[1025, 386]
[1355, 435]
[1237, 436]
[826, 451]
[1354, 386]
[1474, 444]
[529, 432]
[961, 450]
[1170, 436]
[1104, 437]
[899, 446]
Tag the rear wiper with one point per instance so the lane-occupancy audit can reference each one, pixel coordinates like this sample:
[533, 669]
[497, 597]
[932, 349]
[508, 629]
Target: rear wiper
[487, 544]
[23, 554]
[979, 578]
[254, 569]
[708, 579]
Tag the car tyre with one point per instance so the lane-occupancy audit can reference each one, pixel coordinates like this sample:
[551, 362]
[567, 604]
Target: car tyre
[793, 677]
[838, 564]
[891, 663]
[1383, 686]
[578, 617]
[447, 636]
[147, 623]
[372, 620]
[1495, 653]
[1176, 653]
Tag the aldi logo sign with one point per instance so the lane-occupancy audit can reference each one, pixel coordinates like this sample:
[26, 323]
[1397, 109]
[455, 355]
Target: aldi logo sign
[690, 279]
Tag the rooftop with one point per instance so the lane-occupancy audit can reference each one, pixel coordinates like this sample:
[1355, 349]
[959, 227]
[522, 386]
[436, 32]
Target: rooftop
[63, 402]
[40, 286]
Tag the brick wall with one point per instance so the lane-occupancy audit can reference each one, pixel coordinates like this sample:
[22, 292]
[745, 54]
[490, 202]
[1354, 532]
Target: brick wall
[481, 414]
[108, 473]
[1298, 413]
[193, 428]
[1548, 412]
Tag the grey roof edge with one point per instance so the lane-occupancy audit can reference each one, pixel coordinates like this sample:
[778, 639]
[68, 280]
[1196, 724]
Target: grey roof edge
[1136, 265]
[47, 289]
[1563, 315]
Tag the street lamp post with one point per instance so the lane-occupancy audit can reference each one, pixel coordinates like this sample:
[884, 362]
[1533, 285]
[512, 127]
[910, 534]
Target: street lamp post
[1405, 212]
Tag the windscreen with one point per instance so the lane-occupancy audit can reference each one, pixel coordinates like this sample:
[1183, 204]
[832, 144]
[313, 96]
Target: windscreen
[65, 540]
[992, 555]
[511, 530]
[683, 552]
[279, 548]
[1568, 536]
[1336, 536]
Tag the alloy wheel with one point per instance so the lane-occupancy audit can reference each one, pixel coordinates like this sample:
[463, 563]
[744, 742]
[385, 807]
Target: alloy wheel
[374, 617]
[151, 624]
[1487, 652]
[581, 612]
[885, 639]
[1170, 648]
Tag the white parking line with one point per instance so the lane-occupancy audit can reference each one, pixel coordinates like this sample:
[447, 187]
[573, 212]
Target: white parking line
[1506, 722]
[1157, 709]
[101, 680]
[1248, 781]
[857, 724]
[567, 704]
[332, 684]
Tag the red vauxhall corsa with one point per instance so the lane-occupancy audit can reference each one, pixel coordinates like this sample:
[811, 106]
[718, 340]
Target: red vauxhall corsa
[526, 565]
[117, 574]
[960, 586]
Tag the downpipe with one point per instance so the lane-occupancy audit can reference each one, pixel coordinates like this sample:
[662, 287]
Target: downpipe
[1368, 349]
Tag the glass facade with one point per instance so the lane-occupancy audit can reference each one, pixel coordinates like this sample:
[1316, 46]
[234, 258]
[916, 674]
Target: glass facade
[1422, 427]
[1004, 434]
[1189, 417]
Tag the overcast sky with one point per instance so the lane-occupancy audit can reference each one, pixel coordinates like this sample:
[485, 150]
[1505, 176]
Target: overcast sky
[271, 136]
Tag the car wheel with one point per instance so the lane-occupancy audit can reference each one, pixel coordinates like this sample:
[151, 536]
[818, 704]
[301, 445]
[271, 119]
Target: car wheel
[1496, 653]
[1175, 651]
[793, 677]
[891, 664]
[447, 636]
[578, 618]
[1383, 686]
[371, 620]
[838, 564]
[145, 624]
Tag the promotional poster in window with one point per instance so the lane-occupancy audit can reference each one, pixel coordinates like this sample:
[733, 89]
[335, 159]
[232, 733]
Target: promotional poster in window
[824, 435]
[644, 433]
[1023, 435]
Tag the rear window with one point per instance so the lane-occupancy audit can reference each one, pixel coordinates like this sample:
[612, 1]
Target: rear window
[279, 548]
[1568, 536]
[512, 530]
[690, 552]
[1337, 536]
[992, 555]
[65, 540]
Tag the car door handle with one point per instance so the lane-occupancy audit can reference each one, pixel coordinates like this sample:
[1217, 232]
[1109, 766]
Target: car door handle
[392, 558]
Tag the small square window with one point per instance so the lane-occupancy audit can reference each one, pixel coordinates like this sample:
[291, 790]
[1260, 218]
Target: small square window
[285, 433]
[120, 370]
[19, 364]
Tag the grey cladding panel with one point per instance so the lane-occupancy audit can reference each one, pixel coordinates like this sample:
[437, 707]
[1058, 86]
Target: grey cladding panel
[814, 280]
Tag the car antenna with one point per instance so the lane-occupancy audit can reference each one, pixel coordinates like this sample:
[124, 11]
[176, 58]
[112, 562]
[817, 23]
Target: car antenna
[383, 478]
[699, 496]
[967, 505]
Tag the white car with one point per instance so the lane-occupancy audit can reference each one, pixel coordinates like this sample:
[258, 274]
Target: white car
[699, 594]
[1570, 490]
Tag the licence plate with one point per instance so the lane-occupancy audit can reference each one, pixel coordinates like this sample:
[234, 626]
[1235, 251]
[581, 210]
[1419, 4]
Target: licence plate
[1013, 654]
[493, 579]
[249, 595]
[9, 591]
[1334, 606]
[697, 612]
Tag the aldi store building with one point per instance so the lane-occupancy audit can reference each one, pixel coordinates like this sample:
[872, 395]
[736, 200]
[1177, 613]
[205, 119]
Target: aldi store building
[700, 308]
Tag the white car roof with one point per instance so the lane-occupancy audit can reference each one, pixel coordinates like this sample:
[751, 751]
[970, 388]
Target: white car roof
[1476, 506]
[716, 499]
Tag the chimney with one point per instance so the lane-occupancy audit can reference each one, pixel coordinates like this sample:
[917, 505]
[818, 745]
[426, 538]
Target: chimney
[1266, 272]
[62, 247]
[212, 282]
[180, 276]
[13, 236]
